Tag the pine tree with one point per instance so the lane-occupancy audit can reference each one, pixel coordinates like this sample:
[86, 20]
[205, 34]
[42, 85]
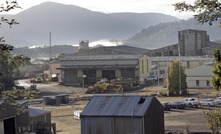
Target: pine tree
[216, 79]
[176, 79]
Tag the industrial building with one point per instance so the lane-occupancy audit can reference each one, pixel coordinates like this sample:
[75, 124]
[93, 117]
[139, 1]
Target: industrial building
[191, 42]
[90, 69]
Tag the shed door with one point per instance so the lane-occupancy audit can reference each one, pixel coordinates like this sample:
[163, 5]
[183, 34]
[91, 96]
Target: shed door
[70, 77]
[128, 73]
[9, 126]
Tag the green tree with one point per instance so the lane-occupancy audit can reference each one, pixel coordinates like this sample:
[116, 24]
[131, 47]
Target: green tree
[213, 118]
[207, 11]
[216, 79]
[9, 62]
[6, 7]
[176, 79]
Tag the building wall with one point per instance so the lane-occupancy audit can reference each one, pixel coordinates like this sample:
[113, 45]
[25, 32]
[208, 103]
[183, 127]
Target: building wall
[118, 72]
[192, 41]
[70, 76]
[144, 67]
[35, 121]
[203, 82]
[187, 63]
[53, 69]
[112, 125]
[1, 127]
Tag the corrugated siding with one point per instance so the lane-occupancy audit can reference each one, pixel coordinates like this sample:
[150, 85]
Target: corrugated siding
[111, 125]
[128, 73]
[70, 77]
[117, 106]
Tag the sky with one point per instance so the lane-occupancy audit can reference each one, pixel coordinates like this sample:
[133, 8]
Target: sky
[113, 6]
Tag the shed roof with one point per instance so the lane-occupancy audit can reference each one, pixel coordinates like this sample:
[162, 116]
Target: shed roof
[37, 112]
[118, 106]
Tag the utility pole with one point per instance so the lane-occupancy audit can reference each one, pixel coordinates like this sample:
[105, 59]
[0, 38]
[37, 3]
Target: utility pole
[50, 56]
[50, 43]
[179, 70]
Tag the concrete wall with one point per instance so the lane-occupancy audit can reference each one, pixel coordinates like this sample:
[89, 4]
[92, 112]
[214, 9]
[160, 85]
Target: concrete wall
[192, 41]
[191, 82]
[1, 127]
[144, 66]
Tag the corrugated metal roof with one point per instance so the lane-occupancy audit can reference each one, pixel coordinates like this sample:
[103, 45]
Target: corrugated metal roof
[102, 57]
[117, 106]
[112, 50]
[182, 58]
[98, 66]
[37, 112]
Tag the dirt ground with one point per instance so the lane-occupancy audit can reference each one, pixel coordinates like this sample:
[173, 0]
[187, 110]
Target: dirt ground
[177, 120]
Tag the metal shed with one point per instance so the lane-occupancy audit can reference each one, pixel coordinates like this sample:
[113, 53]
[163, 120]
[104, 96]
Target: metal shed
[123, 115]
[38, 117]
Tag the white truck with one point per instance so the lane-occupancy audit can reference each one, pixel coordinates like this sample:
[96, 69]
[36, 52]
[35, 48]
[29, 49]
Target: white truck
[151, 78]
[191, 102]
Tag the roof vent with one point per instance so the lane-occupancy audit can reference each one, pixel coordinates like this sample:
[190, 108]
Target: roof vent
[141, 101]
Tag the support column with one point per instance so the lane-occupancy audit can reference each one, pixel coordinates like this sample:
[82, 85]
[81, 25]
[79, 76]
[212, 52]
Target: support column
[118, 72]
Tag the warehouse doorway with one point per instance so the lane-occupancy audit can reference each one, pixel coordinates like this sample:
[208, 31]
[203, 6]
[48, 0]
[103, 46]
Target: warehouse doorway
[109, 74]
[90, 76]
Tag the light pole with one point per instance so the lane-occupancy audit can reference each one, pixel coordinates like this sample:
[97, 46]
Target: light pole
[84, 76]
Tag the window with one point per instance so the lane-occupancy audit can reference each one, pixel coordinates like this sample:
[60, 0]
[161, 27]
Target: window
[207, 83]
[197, 83]
[162, 71]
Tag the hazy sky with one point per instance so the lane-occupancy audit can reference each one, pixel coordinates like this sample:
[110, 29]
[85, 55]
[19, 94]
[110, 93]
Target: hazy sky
[110, 6]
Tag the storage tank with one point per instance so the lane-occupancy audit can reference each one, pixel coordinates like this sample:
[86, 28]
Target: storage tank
[48, 100]
[61, 99]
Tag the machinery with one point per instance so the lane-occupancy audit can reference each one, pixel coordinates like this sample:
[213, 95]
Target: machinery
[115, 85]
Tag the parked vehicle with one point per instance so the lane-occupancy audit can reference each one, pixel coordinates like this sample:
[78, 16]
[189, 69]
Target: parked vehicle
[151, 78]
[162, 76]
[166, 106]
[38, 80]
[177, 105]
[208, 102]
[191, 102]
[218, 100]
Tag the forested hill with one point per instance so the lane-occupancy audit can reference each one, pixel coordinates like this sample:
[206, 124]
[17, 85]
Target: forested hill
[44, 51]
[165, 34]
[70, 24]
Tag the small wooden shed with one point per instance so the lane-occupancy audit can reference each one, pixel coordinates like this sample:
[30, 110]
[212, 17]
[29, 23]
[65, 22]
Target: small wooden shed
[123, 115]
